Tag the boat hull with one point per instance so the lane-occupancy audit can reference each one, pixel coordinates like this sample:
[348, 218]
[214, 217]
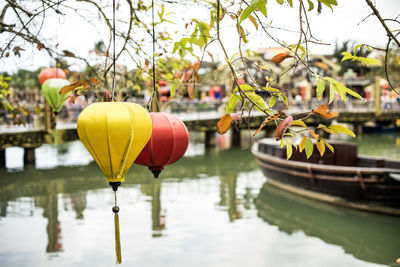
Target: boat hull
[363, 188]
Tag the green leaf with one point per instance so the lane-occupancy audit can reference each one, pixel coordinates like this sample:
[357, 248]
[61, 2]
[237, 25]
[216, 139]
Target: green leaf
[320, 87]
[245, 87]
[284, 99]
[254, 5]
[310, 5]
[309, 146]
[342, 129]
[328, 3]
[232, 101]
[263, 8]
[351, 92]
[347, 56]
[258, 100]
[280, 2]
[246, 13]
[272, 101]
[271, 89]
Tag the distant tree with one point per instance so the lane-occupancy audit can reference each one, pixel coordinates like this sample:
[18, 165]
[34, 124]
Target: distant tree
[356, 66]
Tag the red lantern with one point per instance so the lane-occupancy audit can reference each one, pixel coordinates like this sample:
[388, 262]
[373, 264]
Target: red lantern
[168, 142]
[50, 73]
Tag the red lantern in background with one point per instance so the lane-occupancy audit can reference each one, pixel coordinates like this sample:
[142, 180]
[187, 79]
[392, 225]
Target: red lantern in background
[168, 142]
[50, 73]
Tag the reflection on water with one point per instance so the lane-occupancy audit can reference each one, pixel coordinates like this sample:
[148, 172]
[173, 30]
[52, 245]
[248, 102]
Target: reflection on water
[211, 208]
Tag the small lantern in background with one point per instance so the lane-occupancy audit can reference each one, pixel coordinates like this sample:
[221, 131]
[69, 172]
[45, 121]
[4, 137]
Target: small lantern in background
[168, 142]
[50, 73]
[51, 89]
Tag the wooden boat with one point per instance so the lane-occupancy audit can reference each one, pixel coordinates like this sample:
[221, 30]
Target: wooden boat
[342, 178]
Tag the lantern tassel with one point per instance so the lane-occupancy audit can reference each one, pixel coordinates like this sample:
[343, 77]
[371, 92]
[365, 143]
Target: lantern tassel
[115, 209]
[117, 240]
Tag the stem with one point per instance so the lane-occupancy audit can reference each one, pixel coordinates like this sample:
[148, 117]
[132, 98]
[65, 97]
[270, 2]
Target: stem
[378, 15]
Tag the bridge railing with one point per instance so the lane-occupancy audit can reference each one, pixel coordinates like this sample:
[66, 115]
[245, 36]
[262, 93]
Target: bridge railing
[191, 109]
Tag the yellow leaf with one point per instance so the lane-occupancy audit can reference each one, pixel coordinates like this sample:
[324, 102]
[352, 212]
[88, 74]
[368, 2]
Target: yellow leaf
[302, 143]
[38, 110]
[342, 129]
[299, 123]
[289, 150]
[224, 123]
[242, 34]
[321, 148]
[326, 129]
[328, 145]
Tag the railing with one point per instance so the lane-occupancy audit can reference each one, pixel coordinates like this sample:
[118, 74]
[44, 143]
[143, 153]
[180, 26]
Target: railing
[185, 109]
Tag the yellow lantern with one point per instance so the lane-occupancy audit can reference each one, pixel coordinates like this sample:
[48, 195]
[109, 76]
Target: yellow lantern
[114, 133]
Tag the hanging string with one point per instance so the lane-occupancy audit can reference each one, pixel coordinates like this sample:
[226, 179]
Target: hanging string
[153, 104]
[115, 185]
[113, 31]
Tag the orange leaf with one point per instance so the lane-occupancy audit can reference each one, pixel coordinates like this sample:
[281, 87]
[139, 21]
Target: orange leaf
[72, 99]
[268, 119]
[316, 136]
[40, 46]
[195, 66]
[71, 87]
[242, 33]
[280, 130]
[324, 111]
[277, 59]
[94, 81]
[224, 123]
[86, 85]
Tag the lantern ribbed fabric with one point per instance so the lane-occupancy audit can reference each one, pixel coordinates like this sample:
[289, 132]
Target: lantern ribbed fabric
[50, 73]
[51, 89]
[167, 144]
[114, 133]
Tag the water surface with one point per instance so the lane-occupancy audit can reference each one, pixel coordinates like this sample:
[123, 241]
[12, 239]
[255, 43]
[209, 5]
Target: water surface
[212, 208]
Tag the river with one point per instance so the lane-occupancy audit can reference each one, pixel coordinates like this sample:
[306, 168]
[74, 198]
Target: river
[212, 208]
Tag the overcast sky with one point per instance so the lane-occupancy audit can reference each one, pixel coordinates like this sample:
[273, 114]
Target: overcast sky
[342, 24]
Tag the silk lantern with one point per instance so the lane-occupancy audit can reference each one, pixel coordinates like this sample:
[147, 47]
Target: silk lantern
[114, 133]
[168, 142]
[50, 73]
[51, 89]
